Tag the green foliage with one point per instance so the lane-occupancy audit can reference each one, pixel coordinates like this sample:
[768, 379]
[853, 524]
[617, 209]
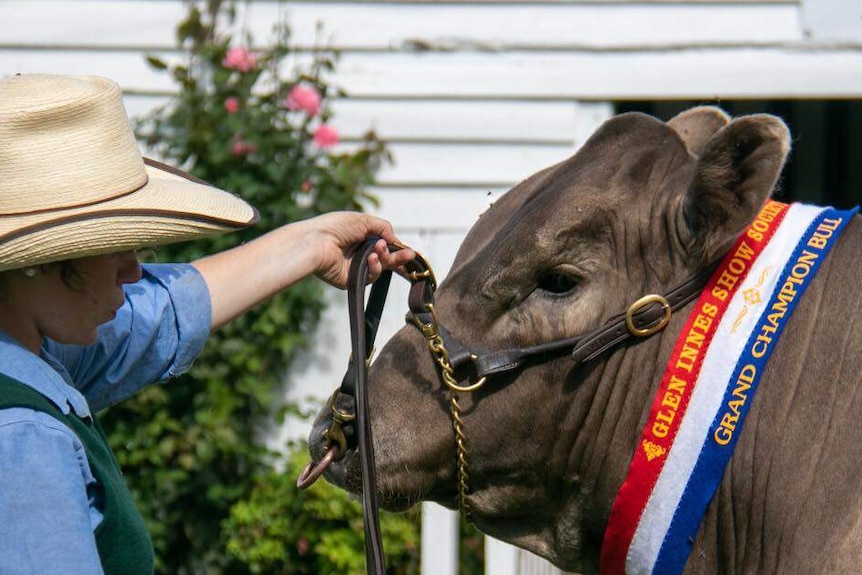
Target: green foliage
[471, 550]
[283, 530]
[190, 449]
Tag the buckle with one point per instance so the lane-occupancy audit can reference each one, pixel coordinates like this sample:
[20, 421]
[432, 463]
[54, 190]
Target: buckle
[641, 304]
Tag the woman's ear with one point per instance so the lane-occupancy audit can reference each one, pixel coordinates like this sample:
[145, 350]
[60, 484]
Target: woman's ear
[735, 175]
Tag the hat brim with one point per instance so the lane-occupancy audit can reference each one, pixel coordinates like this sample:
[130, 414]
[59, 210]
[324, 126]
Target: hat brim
[171, 207]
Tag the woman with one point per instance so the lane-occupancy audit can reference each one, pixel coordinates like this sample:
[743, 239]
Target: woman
[83, 325]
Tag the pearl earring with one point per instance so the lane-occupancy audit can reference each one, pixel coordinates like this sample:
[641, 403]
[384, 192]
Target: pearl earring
[30, 272]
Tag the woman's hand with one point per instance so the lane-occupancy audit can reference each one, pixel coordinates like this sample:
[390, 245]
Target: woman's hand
[338, 235]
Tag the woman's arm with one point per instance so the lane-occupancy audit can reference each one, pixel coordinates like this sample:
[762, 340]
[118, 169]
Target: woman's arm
[248, 274]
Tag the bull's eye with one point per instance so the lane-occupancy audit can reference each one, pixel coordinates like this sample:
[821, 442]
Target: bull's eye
[558, 283]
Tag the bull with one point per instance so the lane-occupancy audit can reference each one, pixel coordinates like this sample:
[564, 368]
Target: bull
[640, 208]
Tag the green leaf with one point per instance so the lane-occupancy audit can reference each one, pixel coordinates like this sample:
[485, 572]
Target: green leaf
[156, 63]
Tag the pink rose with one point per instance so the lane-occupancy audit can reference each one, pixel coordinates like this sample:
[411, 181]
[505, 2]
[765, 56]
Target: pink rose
[302, 546]
[306, 186]
[239, 59]
[303, 98]
[231, 105]
[242, 148]
[325, 136]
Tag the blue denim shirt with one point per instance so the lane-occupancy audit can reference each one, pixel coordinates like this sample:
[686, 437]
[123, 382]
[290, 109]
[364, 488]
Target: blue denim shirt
[47, 509]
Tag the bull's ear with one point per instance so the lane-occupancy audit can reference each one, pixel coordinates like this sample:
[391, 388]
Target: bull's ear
[696, 126]
[734, 176]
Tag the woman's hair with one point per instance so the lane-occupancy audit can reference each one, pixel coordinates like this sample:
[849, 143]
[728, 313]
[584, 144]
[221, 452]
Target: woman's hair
[71, 276]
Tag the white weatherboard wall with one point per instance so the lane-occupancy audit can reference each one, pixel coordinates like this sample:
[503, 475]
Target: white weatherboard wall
[473, 96]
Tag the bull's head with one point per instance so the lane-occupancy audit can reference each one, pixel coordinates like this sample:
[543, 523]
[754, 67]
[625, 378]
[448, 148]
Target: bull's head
[641, 207]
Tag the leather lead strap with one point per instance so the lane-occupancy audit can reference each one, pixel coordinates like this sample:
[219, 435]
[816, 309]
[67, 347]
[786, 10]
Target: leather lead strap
[363, 329]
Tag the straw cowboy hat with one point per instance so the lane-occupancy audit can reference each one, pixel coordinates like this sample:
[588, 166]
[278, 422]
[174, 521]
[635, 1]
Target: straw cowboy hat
[73, 182]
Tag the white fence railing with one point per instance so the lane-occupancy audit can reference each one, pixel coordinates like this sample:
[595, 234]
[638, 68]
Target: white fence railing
[440, 549]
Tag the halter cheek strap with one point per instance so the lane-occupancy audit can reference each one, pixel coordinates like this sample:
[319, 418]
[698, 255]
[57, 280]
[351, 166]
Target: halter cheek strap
[645, 317]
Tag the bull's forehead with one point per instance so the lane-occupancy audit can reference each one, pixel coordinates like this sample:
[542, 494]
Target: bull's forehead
[618, 178]
[628, 161]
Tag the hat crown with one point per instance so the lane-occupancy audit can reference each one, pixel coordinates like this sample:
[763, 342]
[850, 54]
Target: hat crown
[65, 141]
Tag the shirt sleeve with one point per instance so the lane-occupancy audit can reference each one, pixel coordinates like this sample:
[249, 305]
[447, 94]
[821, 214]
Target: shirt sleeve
[46, 489]
[157, 334]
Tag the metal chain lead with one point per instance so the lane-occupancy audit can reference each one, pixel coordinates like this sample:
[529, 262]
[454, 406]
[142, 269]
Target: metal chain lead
[442, 359]
[461, 443]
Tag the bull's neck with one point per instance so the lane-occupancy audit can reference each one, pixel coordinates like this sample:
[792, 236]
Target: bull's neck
[609, 409]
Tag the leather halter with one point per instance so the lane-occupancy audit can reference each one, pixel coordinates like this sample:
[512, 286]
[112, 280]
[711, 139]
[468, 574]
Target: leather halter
[350, 429]
[643, 318]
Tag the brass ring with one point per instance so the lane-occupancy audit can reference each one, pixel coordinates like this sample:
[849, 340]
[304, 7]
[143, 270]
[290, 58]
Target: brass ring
[642, 303]
[313, 470]
[466, 388]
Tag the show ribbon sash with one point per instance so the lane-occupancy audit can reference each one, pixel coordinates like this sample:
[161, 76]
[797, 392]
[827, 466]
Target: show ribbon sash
[706, 391]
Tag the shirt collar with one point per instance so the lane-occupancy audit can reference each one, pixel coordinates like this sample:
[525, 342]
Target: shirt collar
[42, 373]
